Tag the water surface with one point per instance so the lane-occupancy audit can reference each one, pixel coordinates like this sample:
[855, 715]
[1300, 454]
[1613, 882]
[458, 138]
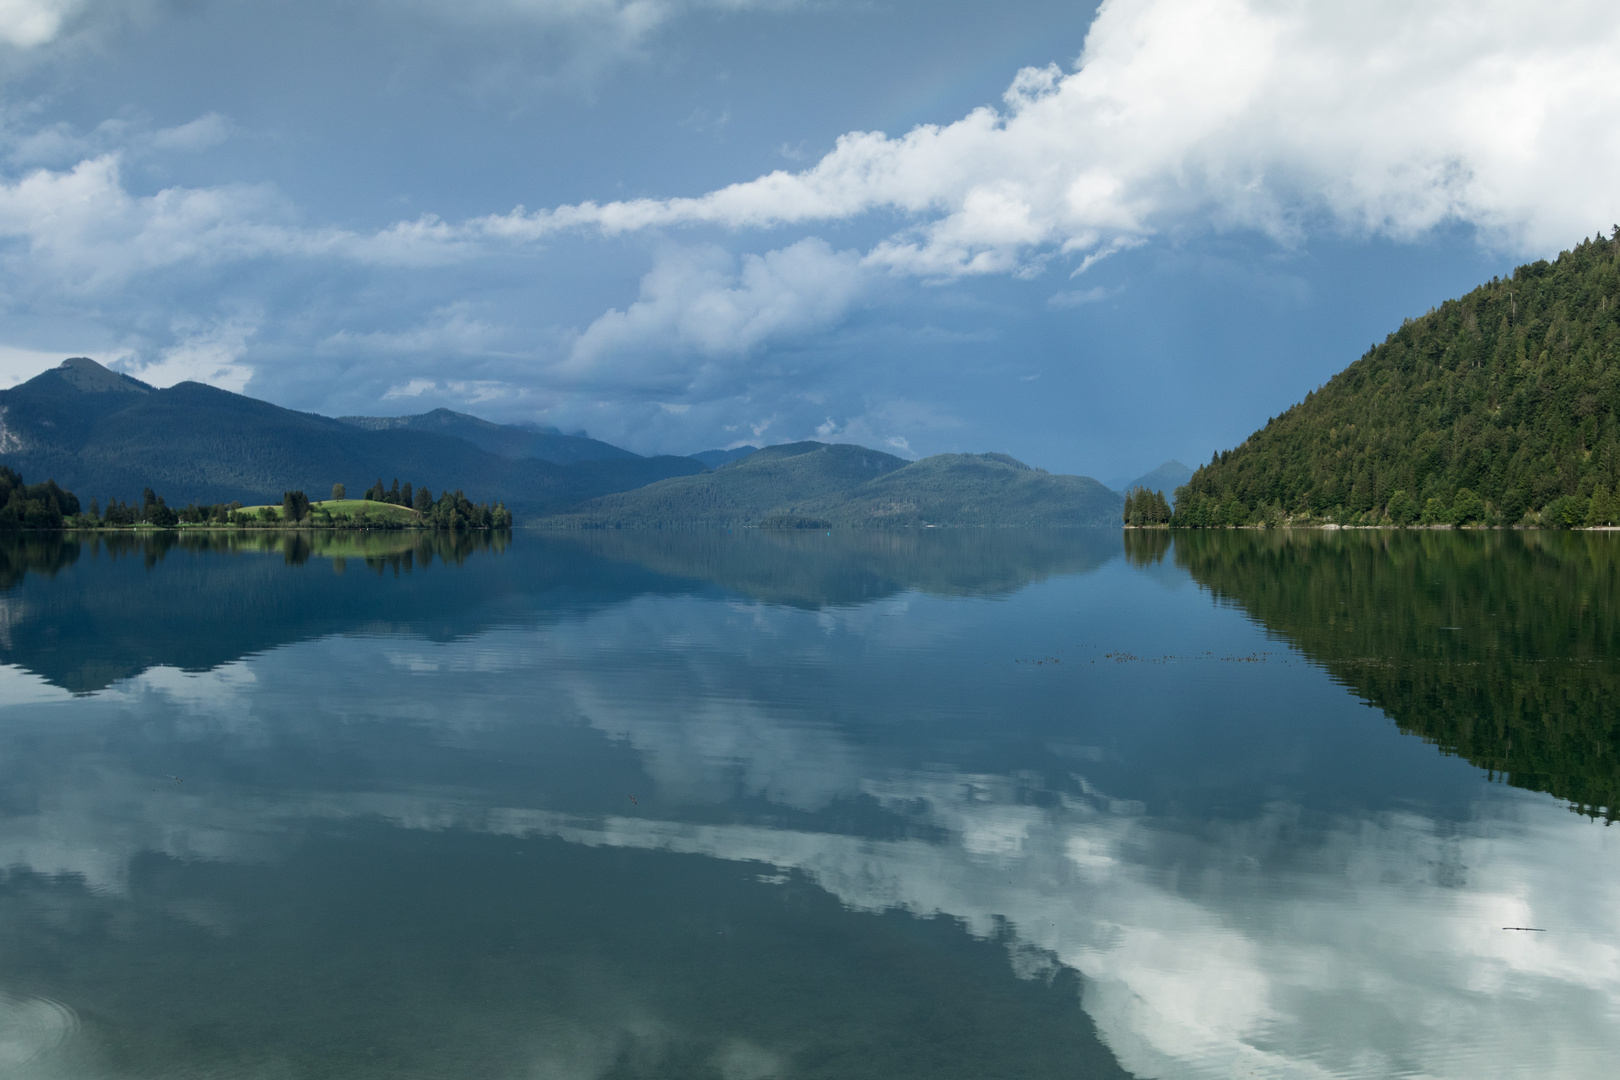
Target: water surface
[942, 804]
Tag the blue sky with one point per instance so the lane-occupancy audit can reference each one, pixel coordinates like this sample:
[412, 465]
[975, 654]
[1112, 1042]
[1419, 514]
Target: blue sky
[1095, 237]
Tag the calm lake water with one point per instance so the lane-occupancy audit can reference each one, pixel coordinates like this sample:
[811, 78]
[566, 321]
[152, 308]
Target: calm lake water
[944, 804]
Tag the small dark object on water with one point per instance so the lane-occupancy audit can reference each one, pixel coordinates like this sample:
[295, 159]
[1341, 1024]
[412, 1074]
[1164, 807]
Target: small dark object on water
[633, 799]
[1532, 929]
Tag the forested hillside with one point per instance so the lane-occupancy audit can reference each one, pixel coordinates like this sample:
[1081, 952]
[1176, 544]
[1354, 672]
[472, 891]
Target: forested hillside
[813, 485]
[974, 490]
[1497, 408]
[102, 435]
[778, 480]
[503, 440]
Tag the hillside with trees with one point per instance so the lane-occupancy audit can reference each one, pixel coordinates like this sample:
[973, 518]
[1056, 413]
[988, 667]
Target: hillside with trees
[1146, 509]
[963, 490]
[97, 431]
[817, 485]
[33, 506]
[1498, 408]
[503, 440]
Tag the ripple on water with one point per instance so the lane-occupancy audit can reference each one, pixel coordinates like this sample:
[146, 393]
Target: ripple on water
[31, 1027]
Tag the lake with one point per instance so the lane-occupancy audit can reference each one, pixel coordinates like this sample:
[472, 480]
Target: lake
[930, 804]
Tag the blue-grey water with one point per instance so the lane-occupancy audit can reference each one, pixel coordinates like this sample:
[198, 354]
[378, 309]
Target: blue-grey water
[942, 804]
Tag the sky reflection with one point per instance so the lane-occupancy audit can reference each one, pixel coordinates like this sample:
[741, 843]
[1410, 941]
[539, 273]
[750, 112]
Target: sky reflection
[1204, 842]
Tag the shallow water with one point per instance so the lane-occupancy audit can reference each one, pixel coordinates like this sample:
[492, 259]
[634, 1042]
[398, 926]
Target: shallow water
[944, 804]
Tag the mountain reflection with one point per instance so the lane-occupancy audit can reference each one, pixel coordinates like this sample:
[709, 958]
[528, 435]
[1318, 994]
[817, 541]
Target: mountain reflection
[632, 827]
[1500, 647]
[86, 610]
[817, 568]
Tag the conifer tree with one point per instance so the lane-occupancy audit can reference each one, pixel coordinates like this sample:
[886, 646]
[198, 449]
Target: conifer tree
[1161, 509]
[1601, 511]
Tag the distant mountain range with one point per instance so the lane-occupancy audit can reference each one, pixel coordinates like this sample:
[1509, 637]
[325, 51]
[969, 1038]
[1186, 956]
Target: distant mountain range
[812, 484]
[716, 458]
[505, 440]
[105, 435]
[99, 434]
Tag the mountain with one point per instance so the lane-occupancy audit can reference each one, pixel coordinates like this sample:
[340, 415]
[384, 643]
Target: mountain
[100, 434]
[777, 479]
[975, 489]
[1166, 478]
[814, 484]
[716, 458]
[1500, 407]
[503, 440]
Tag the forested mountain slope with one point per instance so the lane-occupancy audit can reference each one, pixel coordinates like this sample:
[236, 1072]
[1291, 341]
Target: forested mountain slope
[101, 434]
[974, 489]
[1498, 407]
[503, 440]
[787, 479]
[813, 484]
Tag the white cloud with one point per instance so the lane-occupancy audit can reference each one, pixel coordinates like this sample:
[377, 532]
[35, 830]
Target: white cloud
[699, 301]
[81, 230]
[206, 352]
[414, 388]
[18, 364]
[1379, 116]
[452, 332]
[462, 391]
[207, 130]
[26, 23]
[1080, 297]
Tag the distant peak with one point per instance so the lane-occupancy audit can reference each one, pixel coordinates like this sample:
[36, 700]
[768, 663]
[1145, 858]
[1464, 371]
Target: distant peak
[85, 374]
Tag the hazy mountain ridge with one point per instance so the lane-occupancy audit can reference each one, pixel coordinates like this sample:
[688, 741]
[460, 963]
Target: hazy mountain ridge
[811, 483]
[716, 458]
[102, 434]
[503, 440]
[1166, 478]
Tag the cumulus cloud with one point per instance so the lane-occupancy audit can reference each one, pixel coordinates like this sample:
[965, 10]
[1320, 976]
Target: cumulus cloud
[208, 352]
[700, 301]
[26, 23]
[1377, 116]
[83, 229]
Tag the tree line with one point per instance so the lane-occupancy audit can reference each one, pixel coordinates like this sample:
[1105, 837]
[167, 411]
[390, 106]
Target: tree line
[1146, 509]
[33, 506]
[1498, 408]
[451, 510]
[48, 506]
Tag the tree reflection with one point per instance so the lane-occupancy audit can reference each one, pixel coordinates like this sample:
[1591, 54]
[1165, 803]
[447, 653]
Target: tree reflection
[1500, 647]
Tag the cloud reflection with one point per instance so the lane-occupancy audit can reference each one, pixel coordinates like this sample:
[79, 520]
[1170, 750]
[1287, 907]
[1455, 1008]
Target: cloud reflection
[1281, 943]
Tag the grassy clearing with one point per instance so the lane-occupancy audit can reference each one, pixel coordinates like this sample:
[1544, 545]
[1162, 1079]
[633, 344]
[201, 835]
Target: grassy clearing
[347, 509]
